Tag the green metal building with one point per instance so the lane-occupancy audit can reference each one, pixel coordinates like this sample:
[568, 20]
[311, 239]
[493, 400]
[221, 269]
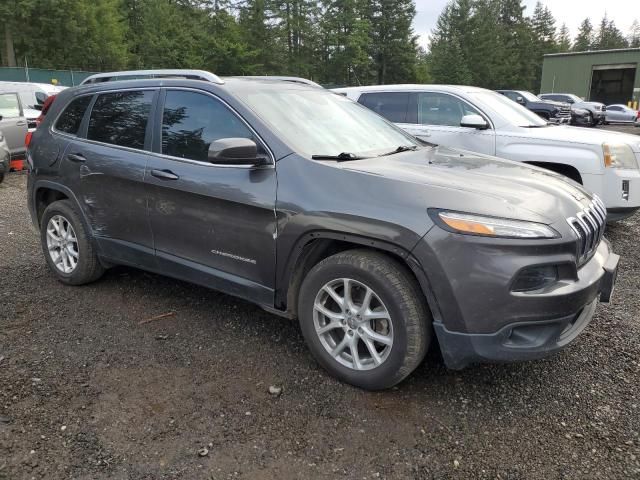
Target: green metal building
[607, 76]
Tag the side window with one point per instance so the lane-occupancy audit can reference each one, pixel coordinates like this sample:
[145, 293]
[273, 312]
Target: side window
[120, 118]
[192, 121]
[391, 105]
[70, 120]
[614, 108]
[511, 95]
[9, 105]
[442, 109]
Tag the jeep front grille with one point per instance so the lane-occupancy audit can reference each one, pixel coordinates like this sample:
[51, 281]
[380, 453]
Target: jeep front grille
[589, 225]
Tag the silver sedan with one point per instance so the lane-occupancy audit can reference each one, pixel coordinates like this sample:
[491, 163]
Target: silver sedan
[620, 113]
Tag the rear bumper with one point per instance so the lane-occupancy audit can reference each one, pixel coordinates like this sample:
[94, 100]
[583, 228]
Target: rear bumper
[525, 340]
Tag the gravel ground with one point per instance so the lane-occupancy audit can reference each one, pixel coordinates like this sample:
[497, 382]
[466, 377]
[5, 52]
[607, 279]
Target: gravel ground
[90, 391]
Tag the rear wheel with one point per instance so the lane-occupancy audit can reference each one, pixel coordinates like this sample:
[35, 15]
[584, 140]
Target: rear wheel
[67, 246]
[364, 318]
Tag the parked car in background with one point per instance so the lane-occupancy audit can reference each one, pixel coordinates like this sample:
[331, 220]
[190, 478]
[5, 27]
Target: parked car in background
[483, 121]
[555, 112]
[312, 206]
[32, 96]
[596, 109]
[581, 118]
[13, 124]
[619, 113]
[5, 157]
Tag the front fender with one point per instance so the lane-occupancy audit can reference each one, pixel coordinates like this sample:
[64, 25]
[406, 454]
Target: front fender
[583, 158]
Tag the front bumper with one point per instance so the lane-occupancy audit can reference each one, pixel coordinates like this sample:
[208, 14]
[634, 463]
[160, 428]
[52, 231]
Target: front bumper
[618, 188]
[478, 318]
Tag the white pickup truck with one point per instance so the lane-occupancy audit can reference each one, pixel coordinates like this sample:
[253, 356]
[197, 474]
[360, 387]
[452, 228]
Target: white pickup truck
[483, 121]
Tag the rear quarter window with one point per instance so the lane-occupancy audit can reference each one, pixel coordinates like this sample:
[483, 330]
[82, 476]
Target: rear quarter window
[120, 118]
[71, 118]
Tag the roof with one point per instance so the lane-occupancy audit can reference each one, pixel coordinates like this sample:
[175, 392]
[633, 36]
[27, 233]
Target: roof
[409, 87]
[592, 52]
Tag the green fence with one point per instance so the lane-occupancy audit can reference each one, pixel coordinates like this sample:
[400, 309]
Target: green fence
[68, 78]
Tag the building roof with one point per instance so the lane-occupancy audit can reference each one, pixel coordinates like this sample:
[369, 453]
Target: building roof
[593, 52]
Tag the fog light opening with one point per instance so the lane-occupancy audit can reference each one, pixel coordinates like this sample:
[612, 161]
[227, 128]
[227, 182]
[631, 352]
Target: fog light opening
[625, 189]
[535, 278]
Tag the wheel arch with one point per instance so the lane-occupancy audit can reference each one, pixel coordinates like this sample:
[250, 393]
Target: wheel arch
[46, 192]
[315, 246]
[562, 168]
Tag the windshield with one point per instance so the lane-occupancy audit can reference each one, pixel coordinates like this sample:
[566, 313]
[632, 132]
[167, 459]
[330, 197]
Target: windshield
[318, 122]
[512, 112]
[575, 98]
[529, 96]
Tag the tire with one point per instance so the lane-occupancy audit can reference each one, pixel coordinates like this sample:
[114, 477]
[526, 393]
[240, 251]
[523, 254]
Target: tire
[87, 267]
[1, 177]
[407, 323]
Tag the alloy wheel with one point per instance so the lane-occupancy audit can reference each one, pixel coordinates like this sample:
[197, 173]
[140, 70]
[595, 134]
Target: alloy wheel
[353, 324]
[62, 244]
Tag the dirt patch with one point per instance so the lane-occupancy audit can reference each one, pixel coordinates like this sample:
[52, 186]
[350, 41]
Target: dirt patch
[87, 392]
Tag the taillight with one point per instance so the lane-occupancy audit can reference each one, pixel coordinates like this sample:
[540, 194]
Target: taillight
[45, 108]
[27, 139]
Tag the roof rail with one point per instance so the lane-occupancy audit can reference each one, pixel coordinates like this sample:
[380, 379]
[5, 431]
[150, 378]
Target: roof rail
[304, 81]
[170, 73]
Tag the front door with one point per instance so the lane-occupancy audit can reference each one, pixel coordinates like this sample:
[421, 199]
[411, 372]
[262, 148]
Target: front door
[13, 125]
[438, 121]
[212, 224]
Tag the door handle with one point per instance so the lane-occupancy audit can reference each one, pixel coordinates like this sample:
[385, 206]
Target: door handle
[21, 123]
[164, 174]
[76, 157]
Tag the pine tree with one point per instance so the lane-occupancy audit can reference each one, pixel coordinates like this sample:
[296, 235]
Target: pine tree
[392, 45]
[544, 38]
[585, 38]
[564, 39]
[634, 35]
[447, 60]
[609, 36]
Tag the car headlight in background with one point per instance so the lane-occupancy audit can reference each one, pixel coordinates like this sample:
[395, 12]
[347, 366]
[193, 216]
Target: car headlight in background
[618, 155]
[494, 227]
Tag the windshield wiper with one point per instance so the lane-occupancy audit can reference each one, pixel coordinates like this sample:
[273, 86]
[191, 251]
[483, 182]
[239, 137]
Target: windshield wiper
[400, 149]
[341, 157]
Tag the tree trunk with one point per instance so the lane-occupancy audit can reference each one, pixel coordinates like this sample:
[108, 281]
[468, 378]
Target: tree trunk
[10, 53]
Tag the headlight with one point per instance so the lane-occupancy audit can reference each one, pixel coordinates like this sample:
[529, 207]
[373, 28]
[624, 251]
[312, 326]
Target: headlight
[495, 227]
[618, 155]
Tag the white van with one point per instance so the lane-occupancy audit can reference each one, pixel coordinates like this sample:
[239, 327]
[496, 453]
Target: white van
[32, 96]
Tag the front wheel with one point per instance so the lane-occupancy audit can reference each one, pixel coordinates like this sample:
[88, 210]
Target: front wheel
[364, 318]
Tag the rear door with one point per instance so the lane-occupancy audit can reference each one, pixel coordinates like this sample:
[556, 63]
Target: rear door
[212, 224]
[438, 120]
[13, 125]
[107, 160]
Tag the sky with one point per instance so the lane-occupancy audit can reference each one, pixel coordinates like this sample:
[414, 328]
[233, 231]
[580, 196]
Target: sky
[571, 12]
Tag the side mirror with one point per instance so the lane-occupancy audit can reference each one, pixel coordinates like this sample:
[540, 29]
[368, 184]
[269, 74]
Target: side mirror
[235, 151]
[474, 121]
[520, 100]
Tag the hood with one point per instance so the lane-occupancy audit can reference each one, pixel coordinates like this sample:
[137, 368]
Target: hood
[484, 185]
[554, 103]
[590, 104]
[586, 136]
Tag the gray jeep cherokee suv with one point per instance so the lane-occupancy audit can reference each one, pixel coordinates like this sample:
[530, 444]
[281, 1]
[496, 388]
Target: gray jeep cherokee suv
[312, 206]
